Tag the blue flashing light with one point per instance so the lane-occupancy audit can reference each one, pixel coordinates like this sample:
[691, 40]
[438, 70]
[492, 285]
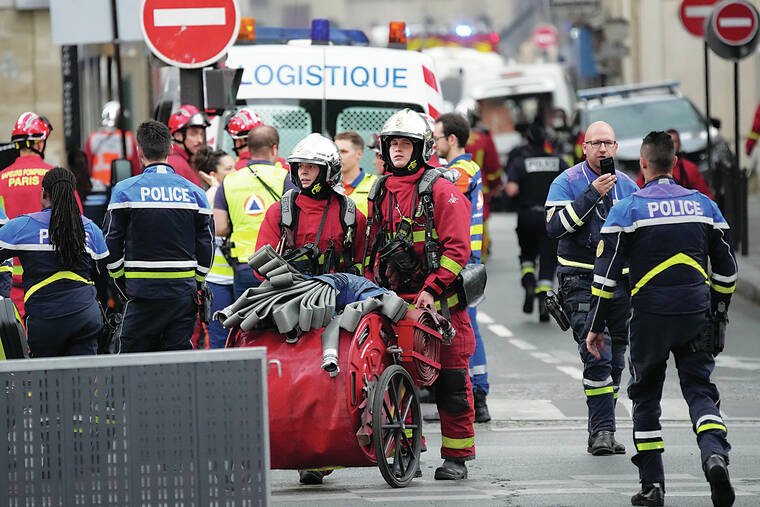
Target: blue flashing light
[281, 35]
[463, 30]
[320, 31]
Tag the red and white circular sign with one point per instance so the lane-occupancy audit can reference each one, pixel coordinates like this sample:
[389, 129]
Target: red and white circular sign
[735, 22]
[545, 36]
[693, 14]
[189, 33]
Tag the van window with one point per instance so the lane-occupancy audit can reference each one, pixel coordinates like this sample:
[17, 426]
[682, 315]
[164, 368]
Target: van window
[364, 120]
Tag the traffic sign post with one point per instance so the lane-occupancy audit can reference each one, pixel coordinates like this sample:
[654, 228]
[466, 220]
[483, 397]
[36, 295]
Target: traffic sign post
[189, 34]
[545, 37]
[732, 32]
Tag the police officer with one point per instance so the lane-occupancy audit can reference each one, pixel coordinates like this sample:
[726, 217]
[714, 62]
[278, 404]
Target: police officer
[244, 197]
[356, 182]
[188, 128]
[578, 202]
[530, 174]
[690, 274]
[161, 239]
[21, 184]
[58, 248]
[319, 230]
[451, 132]
[403, 205]
[238, 126]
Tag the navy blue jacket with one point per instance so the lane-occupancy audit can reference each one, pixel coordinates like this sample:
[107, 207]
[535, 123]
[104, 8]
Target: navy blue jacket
[667, 233]
[51, 290]
[160, 234]
[575, 213]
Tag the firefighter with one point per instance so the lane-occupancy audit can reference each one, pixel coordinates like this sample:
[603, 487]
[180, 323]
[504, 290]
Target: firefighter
[402, 256]
[160, 235]
[104, 145]
[188, 128]
[683, 273]
[530, 173]
[21, 184]
[451, 133]
[319, 230]
[239, 126]
[578, 201]
[243, 199]
[58, 248]
[356, 182]
[480, 145]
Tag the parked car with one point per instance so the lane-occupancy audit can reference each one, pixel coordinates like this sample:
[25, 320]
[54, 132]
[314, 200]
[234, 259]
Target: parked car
[635, 110]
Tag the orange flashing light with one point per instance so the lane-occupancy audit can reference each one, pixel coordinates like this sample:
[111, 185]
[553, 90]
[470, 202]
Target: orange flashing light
[397, 33]
[247, 29]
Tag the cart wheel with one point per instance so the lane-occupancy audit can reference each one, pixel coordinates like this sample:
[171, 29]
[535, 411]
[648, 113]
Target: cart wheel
[396, 426]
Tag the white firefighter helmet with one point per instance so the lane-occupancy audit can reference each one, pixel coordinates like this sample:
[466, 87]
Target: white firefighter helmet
[317, 149]
[412, 125]
[110, 115]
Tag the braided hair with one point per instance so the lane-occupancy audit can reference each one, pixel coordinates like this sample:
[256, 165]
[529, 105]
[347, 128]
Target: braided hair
[66, 228]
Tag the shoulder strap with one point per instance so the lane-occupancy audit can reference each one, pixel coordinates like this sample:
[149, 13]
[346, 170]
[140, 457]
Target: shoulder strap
[348, 222]
[425, 185]
[347, 211]
[288, 218]
[425, 190]
[378, 188]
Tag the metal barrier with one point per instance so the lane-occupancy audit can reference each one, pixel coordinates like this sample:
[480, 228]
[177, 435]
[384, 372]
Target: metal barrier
[170, 429]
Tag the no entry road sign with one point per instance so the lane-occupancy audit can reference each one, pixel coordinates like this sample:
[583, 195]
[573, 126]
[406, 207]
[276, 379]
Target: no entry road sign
[735, 22]
[545, 36]
[189, 33]
[693, 14]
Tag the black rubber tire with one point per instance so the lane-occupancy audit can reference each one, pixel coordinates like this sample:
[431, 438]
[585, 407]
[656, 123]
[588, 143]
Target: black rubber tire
[394, 401]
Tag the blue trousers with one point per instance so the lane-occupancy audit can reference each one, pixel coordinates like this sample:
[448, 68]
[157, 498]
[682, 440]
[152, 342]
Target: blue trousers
[75, 334]
[243, 279]
[601, 377]
[222, 299]
[653, 337]
[478, 366]
[151, 325]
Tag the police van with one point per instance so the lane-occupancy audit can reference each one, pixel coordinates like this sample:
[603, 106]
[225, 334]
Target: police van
[328, 81]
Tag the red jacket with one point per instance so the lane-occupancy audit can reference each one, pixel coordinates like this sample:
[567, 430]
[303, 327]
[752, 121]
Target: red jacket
[480, 146]
[309, 217]
[686, 174]
[179, 159]
[21, 185]
[452, 225]
[754, 133]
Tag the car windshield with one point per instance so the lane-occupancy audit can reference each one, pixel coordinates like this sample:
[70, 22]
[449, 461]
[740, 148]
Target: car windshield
[295, 119]
[635, 120]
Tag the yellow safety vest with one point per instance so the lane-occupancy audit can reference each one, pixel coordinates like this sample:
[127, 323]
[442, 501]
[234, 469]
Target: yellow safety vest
[248, 200]
[361, 192]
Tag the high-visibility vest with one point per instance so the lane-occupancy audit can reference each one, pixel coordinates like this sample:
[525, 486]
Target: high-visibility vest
[361, 191]
[248, 199]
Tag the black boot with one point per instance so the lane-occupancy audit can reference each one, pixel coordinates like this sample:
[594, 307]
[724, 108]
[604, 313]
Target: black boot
[650, 494]
[543, 313]
[716, 473]
[481, 409]
[529, 284]
[312, 476]
[451, 470]
[601, 443]
[617, 447]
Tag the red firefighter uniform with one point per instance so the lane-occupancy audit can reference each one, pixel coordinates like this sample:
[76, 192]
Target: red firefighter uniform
[754, 134]
[452, 229]
[305, 230]
[480, 146]
[179, 159]
[103, 147]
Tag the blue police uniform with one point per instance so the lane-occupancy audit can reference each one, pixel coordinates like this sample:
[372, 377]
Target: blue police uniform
[533, 170]
[667, 233]
[160, 234]
[62, 313]
[575, 213]
[470, 182]
[6, 268]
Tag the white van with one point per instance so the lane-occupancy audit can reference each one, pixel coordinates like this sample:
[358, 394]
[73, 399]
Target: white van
[300, 88]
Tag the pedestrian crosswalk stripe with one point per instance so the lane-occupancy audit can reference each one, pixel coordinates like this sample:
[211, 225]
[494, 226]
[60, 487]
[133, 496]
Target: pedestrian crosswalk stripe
[500, 330]
[522, 345]
[484, 318]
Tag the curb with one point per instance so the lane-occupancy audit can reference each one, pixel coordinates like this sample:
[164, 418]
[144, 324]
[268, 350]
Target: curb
[748, 284]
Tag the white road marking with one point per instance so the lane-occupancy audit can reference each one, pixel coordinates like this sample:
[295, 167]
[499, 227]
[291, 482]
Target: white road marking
[545, 357]
[574, 372]
[199, 16]
[500, 330]
[522, 345]
[737, 363]
[415, 498]
[532, 410]
[484, 318]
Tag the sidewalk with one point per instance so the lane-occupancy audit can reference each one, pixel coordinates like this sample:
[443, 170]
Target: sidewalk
[748, 284]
